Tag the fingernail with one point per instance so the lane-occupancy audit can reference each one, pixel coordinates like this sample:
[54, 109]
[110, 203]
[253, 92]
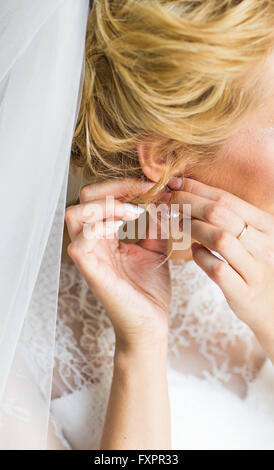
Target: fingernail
[133, 209]
[175, 182]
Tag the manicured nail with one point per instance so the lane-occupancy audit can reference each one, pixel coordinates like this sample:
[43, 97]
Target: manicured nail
[133, 209]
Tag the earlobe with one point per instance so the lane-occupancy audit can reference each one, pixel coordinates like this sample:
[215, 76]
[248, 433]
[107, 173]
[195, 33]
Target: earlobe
[152, 164]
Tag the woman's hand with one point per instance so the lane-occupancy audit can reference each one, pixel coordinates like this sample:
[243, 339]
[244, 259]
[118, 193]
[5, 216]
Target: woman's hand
[122, 275]
[136, 297]
[247, 279]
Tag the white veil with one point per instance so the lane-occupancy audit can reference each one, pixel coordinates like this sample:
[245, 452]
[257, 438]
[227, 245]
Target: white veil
[41, 62]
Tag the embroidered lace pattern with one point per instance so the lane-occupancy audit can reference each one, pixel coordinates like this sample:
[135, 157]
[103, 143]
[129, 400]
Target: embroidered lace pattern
[200, 322]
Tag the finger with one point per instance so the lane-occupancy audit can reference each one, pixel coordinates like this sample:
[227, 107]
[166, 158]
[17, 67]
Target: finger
[157, 236]
[232, 285]
[120, 188]
[209, 211]
[261, 220]
[227, 246]
[86, 241]
[220, 216]
[100, 209]
[97, 273]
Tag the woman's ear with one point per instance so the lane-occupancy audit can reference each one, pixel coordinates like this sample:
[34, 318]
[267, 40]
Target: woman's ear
[152, 164]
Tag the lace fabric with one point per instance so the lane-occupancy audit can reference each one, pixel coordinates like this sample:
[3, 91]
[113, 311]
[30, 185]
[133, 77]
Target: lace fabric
[206, 339]
[84, 336]
[201, 322]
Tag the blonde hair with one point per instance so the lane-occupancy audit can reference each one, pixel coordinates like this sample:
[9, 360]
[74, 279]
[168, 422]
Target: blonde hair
[178, 73]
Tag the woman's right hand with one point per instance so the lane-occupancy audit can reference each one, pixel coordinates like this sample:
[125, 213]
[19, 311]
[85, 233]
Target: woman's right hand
[121, 275]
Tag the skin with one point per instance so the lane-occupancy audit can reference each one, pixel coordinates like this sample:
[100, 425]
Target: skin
[238, 188]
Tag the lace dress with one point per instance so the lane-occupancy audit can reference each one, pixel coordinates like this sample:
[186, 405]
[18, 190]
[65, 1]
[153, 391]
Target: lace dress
[221, 384]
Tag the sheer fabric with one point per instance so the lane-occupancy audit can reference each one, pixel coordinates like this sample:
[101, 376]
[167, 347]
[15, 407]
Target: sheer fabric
[41, 60]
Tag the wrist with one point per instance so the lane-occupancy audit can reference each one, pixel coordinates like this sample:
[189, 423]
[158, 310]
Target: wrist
[266, 339]
[143, 357]
[143, 342]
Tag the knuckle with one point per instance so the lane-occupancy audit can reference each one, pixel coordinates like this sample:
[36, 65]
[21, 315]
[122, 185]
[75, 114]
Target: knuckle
[72, 250]
[212, 212]
[218, 271]
[222, 240]
[84, 193]
[223, 199]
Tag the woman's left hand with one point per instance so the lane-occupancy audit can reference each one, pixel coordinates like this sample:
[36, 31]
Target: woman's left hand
[247, 279]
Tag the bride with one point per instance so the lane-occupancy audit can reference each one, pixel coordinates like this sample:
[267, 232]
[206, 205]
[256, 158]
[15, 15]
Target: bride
[177, 107]
[159, 344]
